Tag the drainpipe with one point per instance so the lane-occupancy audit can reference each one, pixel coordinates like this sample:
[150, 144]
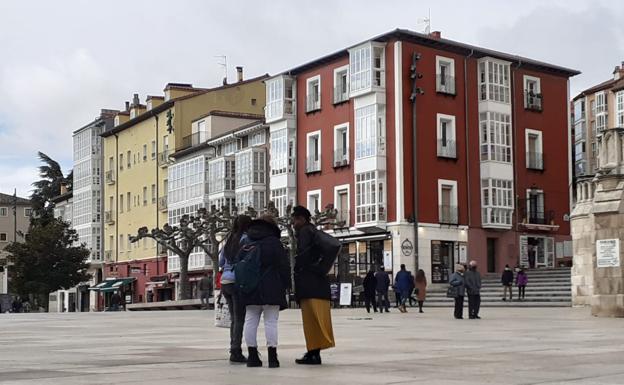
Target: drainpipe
[157, 196]
[414, 75]
[117, 198]
[515, 152]
[469, 211]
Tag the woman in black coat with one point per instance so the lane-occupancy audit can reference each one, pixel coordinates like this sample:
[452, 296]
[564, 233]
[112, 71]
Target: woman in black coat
[370, 283]
[269, 297]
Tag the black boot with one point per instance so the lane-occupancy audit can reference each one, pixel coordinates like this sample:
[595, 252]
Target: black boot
[253, 360]
[236, 356]
[313, 357]
[273, 362]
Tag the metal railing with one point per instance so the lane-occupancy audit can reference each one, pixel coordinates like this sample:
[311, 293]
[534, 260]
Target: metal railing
[447, 148]
[110, 177]
[108, 255]
[539, 217]
[109, 218]
[343, 217]
[312, 103]
[532, 101]
[341, 94]
[193, 139]
[313, 164]
[535, 160]
[162, 203]
[341, 157]
[163, 158]
[445, 84]
[448, 214]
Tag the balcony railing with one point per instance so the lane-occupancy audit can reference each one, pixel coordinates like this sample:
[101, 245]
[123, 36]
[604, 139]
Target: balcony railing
[341, 94]
[162, 203]
[108, 255]
[109, 218]
[110, 177]
[341, 157]
[313, 164]
[445, 84]
[448, 214]
[313, 103]
[532, 101]
[163, 158]
[193, 139]
[539, 217]
[447, 148]
[343, 217]
[535, 160]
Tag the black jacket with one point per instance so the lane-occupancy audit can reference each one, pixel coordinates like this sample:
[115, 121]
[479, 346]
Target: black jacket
[274, 266]
[507, 278]
[312, 265]
[370, 283]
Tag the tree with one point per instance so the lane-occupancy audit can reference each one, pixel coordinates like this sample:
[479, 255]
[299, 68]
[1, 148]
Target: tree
[47, 260]
[49, 186]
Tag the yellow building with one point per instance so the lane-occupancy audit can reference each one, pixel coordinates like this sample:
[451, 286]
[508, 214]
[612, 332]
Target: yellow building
[136, 156]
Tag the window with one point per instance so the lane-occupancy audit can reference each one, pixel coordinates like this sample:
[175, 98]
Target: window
[601, 102]
[251, 167]
[370, 197]
[447, 202]
[186, 180]
[313, 154]
[579, 151]
[280, 199]
[495, 137]
[341, 84]
[341, 145]
[360, 68]
[494, 81]
[534, 154]
[253, 198]
[370, 131]
[27, 212]
[532, 93]
[313, 92]
[121, 242]
[129, 198]
[535, 207]
[129, 159]
[314, 201]
[145, 153]
[3, 237]
[579, 109]
[4, 211]
[144, 195]
[445, 75]
[601, 122]
[221, 175]
[230, 147]
[129, 241]
[153, 193]
[121, 203]
[121, 161]
[229, 203]
[279, 97]
[497, 202]
[257, 139]
[446, 136]
[280, 160]
[619, 109]
[341, 203]
[153, 149]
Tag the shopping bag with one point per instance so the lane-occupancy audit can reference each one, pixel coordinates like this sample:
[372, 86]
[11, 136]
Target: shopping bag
[222, 313]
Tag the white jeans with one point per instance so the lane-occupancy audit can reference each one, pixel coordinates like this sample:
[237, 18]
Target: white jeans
[252, 320]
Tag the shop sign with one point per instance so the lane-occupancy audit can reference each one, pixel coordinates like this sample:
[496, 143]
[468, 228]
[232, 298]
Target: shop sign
[524, 251]
[407, 247]
[463, 253]
[345, 294]
[387, 260]
[608, 253]
[135, 270]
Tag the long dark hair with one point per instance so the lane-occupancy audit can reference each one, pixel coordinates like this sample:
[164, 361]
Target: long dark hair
[239, 227]
[420, 276]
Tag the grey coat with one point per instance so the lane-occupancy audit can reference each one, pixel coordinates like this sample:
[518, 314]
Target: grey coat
[473, 282]
[457, 280]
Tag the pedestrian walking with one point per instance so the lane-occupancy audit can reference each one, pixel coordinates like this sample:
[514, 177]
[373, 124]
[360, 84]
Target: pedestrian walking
[473, 289]
[370, 283]
[403, 284]
[316, 254]
[412, 289]
[507, 280]
[115, 301]
[383, 284]
[457, 283]
[227, 279]
[421, 288]
[266, 257]
[521, 281]
[205, 290]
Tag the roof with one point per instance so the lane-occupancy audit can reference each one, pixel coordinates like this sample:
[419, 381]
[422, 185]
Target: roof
[62, 197]
[170, 103]
[112, 284]
[104, 115]
[598, 87]
[6, 199]
[443, 44]
[229, 114]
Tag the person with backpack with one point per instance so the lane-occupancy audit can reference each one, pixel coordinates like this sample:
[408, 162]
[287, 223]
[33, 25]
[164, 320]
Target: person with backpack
[262, 277]
[227, 261]
[316, 253]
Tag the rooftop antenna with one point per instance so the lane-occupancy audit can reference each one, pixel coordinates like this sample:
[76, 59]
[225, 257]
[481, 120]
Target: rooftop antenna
[223, 63]
[426, 22]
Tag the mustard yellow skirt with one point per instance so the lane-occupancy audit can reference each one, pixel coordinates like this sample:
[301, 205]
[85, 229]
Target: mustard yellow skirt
[317, 324]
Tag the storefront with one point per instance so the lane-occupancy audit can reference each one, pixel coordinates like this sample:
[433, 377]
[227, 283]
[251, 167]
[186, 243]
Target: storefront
[158, 289]
[122, 286]
[444, 256]
[362, 250]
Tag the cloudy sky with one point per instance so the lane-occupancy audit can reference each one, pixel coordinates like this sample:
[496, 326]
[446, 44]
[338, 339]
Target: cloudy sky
[62, 61]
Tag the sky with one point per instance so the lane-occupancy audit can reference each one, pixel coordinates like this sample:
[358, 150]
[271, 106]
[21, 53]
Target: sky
[62, 61]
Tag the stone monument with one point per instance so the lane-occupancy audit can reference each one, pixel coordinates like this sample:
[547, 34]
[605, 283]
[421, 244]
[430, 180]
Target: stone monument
[598, 231]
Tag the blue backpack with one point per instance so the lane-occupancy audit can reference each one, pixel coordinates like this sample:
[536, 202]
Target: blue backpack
[247, 269]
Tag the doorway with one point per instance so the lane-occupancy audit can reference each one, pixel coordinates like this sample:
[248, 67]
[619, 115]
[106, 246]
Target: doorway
[491, 255]
[540, 252]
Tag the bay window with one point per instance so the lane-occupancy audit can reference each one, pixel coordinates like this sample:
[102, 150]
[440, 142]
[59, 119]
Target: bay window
[251, 167]
[370, 197]
[619, 109]
[366, 67]
[280, 199]
[369, 131]
[497, 201]
[252, 198]
[221, 175]
[495, 134]
[494, 84]
[279, 152]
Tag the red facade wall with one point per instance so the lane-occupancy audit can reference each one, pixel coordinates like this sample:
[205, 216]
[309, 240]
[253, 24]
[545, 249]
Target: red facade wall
[144, 269]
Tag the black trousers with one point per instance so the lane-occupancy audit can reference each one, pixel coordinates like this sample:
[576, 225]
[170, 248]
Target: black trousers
[237, 315]
[382, 301]
[521, 291]
[474, 303]
[368, 301]
[459, 307]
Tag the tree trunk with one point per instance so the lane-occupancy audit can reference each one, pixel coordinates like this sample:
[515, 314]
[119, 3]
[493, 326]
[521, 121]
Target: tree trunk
[185, 285]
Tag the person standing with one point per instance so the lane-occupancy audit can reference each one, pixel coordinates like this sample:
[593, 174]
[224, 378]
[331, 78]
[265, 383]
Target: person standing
[269, 295]
[521, 281]
[457, 281]
[205, 290]
[370, 283]
[421, 288]
[316, 253]
[227, 259]
[403, 283]
[473, 289]
[383, 284]
[507, 280]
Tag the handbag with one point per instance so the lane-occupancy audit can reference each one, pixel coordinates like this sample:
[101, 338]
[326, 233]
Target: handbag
[222, 313]
[452, 292]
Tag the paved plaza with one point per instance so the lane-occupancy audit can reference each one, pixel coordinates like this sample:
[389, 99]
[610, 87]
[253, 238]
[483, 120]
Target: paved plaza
[508, 346]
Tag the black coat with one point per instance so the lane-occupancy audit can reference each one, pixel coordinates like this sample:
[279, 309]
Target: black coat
[370, 284]
[312, 265]
[274, 266]
[507, 278]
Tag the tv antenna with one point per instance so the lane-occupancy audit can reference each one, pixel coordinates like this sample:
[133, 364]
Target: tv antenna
[223, 63]
[425, 22]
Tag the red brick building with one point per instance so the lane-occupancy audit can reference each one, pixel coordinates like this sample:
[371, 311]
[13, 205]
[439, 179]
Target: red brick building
[342, 132]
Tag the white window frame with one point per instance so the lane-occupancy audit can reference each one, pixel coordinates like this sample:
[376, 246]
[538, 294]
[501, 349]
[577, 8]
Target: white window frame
[309, 83]
[257, 138]
[4, 211]
[619, 109]
[376, 200]
[444, 149]
[454, 201]
[337, 190]
[498, 89]
[337, 129]
[497, 210]
[440, 61]
[527, 79]
[153, 149]
[338, 72]
[528, 132]
[360, 69]
[601, 107]
[543, 202]
[27, 212]
[279, 151]
[503, 137]
[309, 136]
[311, 193]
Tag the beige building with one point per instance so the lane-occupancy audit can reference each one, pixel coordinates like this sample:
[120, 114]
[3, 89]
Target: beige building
[14, 219]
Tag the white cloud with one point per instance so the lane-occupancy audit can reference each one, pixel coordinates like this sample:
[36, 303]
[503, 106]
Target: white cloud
[19, 178]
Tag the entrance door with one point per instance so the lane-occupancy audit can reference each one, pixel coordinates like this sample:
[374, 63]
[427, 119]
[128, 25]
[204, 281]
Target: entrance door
[544, 252]
[491, 255]
[376, 253]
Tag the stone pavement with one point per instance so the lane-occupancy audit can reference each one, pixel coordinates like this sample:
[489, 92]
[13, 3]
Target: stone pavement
[508, 346]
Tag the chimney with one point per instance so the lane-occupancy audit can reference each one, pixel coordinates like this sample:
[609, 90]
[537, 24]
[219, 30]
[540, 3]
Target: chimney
[127, 106]
[225, 81]
[239, 73]
[436, 34]
[135, 100]
[63, 188]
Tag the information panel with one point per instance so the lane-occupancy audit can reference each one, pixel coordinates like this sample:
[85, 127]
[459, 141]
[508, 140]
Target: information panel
[608, 253]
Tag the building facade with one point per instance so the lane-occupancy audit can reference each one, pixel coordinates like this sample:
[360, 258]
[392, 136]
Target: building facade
[137, 154]
[342, 133]
[15, 215]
